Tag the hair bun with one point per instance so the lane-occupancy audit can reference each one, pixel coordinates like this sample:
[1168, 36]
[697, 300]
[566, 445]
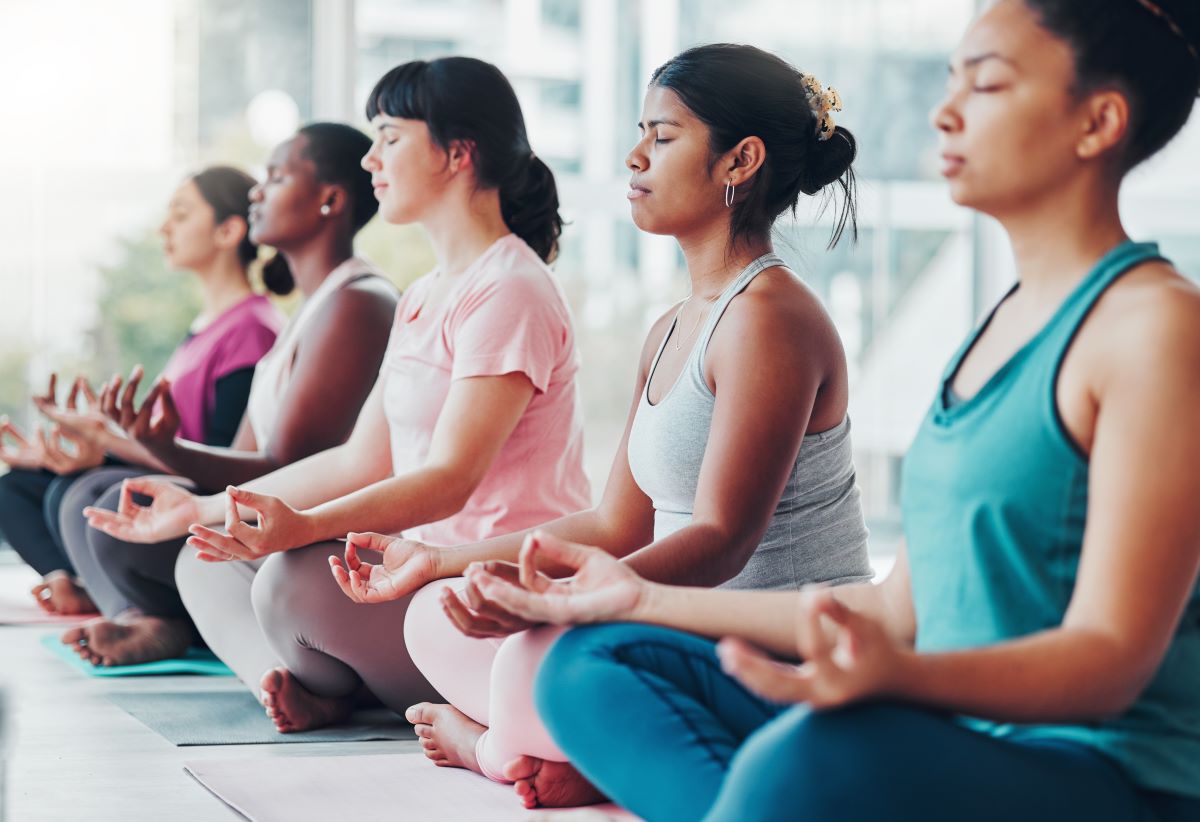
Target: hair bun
[829, 160]
[277, 276]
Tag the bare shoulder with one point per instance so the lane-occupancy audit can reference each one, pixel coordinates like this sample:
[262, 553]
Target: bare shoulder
[778, 306]
[366, 303]
[1150, 321]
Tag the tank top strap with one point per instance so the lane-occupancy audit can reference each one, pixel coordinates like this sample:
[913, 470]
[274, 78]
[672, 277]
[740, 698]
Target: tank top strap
[739, 284]
[1079, 303]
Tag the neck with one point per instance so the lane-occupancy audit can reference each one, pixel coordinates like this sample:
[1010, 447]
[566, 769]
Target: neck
[461, 229]
[1058, 241]
[314, 260]
[222, 286]
[712, 264]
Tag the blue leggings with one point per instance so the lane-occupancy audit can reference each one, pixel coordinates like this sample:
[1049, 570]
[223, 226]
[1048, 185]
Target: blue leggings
[647, 714]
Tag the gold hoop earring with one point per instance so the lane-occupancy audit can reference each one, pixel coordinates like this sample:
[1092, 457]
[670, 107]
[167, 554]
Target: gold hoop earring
[730, 190]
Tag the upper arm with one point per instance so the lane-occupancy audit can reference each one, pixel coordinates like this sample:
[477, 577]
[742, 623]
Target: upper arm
[476, 420]
[1141, 548]
[336, 366]
[768, 359]
[244, 439]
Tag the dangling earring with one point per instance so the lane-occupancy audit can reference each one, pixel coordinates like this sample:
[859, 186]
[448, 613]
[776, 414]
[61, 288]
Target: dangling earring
[326, 210]
[730, 190]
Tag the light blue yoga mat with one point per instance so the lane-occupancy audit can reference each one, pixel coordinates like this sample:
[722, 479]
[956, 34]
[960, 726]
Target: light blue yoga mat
[195, 662]
[235, 718]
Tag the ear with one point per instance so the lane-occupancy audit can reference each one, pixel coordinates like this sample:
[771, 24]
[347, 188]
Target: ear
[460, 156]
[231, 232]
[1106, 122]
[334, 197]
[741, 162]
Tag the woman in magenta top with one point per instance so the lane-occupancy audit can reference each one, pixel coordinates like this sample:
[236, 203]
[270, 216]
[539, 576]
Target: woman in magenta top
[205, 232]
[474, 426]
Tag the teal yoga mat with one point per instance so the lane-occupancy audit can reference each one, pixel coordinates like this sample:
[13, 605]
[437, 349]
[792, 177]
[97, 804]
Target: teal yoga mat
[195, 662]
[186, 718]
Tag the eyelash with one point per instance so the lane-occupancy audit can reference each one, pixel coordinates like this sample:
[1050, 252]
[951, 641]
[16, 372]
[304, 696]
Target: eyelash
[986, 89]
[660, 141]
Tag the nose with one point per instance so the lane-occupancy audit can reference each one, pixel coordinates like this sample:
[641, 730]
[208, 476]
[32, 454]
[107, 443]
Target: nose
[370, 162]
[945, 116]
[636, 159]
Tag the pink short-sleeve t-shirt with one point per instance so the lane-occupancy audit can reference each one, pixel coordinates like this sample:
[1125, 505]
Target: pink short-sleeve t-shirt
[506, 314]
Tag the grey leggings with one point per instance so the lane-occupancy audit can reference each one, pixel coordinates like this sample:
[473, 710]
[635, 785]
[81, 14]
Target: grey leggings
[288, 610]
[119, 576]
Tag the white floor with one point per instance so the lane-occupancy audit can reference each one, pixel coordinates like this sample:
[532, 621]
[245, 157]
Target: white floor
[73, 755]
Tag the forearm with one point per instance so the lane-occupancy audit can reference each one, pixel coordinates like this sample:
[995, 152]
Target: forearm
[764, 618]
[587, 527]
[214, 468]
[698, 554]
[393, 504]
[1059, 675]
[132, 452]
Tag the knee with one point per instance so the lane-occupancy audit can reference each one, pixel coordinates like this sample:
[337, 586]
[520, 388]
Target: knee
[292, 588]
[570, 667]
[426, 626]
[519, 659]
[820, 759]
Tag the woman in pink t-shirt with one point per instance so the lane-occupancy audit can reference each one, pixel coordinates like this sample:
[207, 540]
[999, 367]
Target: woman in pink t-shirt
[473, 428]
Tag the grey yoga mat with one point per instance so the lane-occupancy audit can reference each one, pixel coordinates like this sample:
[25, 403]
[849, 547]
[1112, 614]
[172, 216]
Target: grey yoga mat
[186, 718]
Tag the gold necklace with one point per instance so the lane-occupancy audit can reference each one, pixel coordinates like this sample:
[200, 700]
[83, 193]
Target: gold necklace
[680, 341]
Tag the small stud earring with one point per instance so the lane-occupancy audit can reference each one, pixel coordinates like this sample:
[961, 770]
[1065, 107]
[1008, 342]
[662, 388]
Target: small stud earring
[326, 210]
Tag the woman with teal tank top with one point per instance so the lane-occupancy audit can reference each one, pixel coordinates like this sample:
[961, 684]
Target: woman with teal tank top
[1035, 653]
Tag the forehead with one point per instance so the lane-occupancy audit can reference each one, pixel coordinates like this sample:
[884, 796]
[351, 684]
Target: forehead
[664, 104]
[1013, 31]
[187, 194]
[290, 153]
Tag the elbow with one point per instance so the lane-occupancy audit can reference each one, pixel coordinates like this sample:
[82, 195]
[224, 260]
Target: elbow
[731, 549]
[455, 488]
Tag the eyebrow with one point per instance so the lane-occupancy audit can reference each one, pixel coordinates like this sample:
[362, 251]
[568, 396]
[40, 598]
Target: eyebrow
[971, 62]
[654, 123]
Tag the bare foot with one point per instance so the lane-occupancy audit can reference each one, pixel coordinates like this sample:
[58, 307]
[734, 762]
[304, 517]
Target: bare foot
[129, 641]
[545, 784]
[294, 708]
[447, 735]
[58, 593]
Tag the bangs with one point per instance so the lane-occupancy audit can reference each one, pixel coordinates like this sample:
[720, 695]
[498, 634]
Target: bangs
[401, 93]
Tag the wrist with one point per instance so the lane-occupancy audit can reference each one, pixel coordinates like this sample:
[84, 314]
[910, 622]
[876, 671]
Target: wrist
[445, 562]
[905, 675]
[650, 603]
[211, 508]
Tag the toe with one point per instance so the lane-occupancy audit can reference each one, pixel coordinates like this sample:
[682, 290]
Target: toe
[420, 714]
[272, 680]
[424, 731]
[522, 768]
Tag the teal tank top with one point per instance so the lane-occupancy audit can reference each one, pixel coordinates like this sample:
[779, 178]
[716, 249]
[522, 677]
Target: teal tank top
[995, 498]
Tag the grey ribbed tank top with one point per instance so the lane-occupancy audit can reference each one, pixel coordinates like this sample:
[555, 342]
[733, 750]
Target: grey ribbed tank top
[817, 532]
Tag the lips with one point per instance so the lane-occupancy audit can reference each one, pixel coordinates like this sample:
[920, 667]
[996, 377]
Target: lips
[952, 164]
[636, 192]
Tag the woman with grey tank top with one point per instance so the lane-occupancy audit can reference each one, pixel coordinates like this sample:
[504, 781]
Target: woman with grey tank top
[735, 469]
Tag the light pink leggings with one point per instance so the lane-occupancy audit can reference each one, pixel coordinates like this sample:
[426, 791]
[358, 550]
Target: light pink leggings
[489, 680]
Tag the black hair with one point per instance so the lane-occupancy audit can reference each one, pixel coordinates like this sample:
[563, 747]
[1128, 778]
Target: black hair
[468, 100]
[1148, 54]
[227, 191]
[741, 91]
[336, 151]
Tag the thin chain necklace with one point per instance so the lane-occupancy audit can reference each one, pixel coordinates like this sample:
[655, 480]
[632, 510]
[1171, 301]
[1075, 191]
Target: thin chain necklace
[679, 341]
